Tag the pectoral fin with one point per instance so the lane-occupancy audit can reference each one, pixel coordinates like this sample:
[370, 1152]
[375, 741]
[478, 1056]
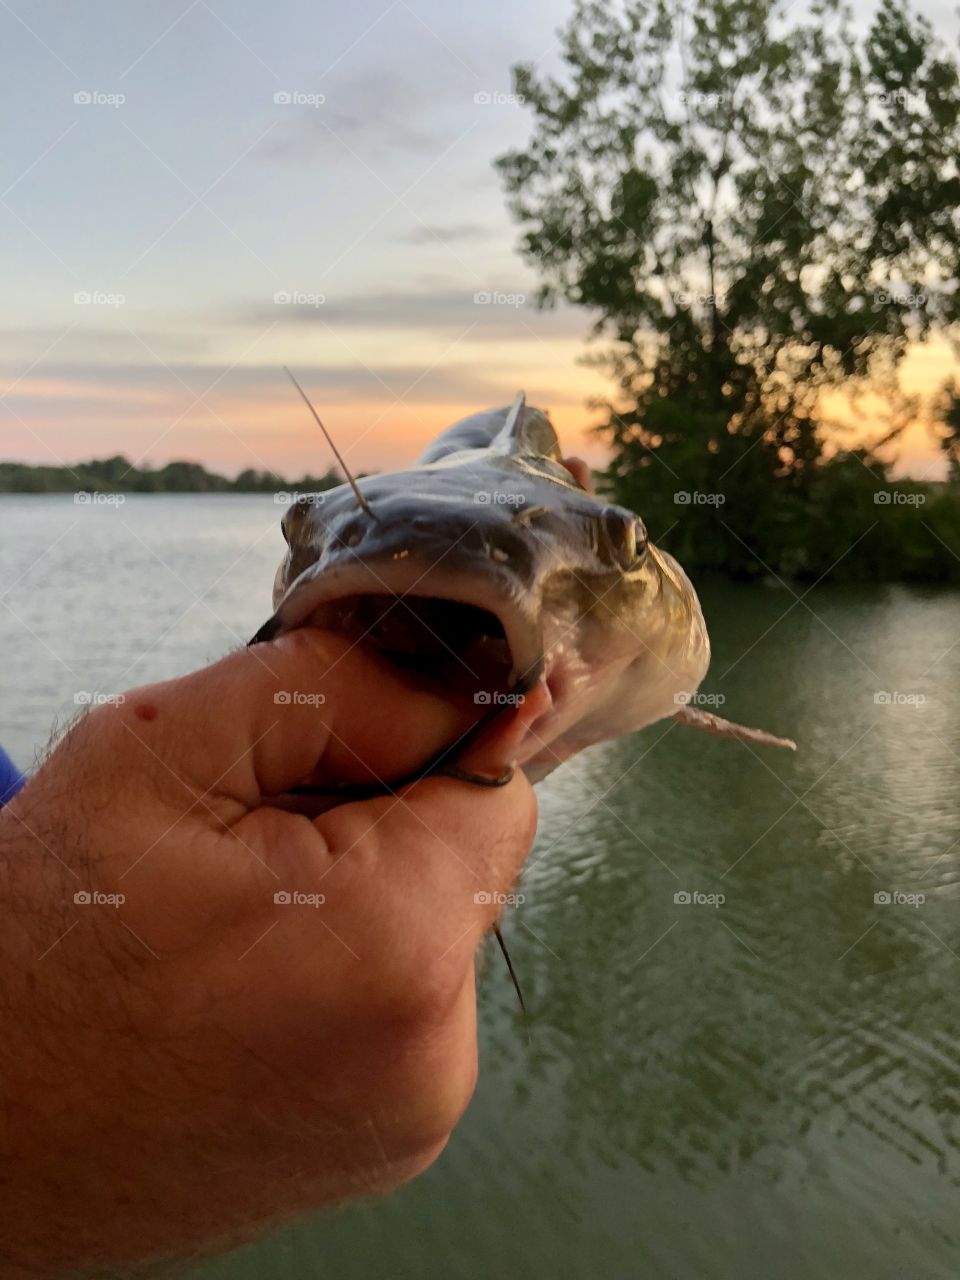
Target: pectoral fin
[710, 723]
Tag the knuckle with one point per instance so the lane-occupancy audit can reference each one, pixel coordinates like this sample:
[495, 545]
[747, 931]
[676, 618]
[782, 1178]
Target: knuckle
[433, 1076]
[423, 993]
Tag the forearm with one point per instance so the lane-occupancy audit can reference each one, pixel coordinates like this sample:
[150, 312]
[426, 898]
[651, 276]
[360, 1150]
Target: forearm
[143, 1117]
[187, 1056]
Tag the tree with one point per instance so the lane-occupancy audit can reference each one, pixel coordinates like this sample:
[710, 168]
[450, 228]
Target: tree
[948, 412]
[755, 212]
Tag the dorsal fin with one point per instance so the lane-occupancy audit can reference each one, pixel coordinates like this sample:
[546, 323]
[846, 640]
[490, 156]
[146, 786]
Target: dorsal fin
[528, 432]
[516, 415]
[517, 430]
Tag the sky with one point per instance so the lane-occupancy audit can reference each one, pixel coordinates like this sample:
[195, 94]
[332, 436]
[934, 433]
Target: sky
[194, 193]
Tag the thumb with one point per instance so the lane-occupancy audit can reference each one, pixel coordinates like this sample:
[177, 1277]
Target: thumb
[263, 718]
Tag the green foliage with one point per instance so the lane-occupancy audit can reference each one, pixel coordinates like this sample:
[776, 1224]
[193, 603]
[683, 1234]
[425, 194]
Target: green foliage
[115, 475]
[756, 208]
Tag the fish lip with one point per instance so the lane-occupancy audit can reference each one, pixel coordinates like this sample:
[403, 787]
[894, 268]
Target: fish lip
[412, 576]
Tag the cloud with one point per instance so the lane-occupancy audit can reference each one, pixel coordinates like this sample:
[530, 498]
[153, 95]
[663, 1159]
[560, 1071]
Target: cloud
[457, 231]
[492, 312]
[374, 110]
[73, 341]
[149, 390]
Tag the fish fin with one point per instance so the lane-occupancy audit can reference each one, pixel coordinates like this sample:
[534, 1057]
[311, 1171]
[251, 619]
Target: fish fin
[517, 413]
[528, 431]
[710, 723]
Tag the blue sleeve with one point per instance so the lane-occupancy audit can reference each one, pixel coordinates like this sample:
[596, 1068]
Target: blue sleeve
[11, 779]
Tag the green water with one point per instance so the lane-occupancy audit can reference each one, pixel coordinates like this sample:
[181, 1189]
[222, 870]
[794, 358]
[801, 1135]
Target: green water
[766, 1089]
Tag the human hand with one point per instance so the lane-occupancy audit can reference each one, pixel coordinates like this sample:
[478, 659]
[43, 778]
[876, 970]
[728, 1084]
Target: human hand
[188, 1059]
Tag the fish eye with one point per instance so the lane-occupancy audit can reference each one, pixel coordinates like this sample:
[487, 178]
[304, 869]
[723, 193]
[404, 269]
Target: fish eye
[624, 537]
[640, 539]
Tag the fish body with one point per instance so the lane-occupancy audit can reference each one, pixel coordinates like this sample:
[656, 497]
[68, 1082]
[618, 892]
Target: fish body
[488, 566]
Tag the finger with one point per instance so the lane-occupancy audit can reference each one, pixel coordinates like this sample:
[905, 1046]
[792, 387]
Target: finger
[448, 851]
[581, 472]
[260, 720]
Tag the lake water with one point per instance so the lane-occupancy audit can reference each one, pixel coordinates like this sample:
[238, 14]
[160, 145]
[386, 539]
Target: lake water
[765, 1088]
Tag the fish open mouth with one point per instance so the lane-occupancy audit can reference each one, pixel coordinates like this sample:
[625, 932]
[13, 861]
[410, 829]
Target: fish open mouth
[463, 645]
[468, 632]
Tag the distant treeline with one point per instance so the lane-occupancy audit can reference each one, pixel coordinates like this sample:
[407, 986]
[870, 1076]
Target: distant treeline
[117, 475]
[851, 522]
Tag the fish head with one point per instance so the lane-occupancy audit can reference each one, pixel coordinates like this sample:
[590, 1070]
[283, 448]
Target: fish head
[492, 570]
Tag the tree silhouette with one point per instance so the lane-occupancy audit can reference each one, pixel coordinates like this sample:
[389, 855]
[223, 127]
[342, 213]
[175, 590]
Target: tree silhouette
[756, 211]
